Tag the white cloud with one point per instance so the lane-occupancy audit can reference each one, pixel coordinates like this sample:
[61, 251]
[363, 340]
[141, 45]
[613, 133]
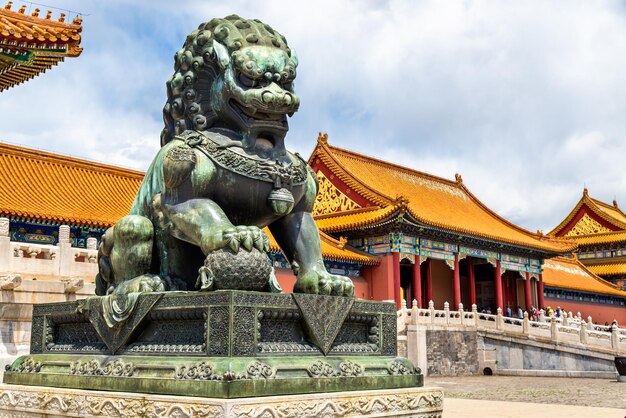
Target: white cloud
[525, 99]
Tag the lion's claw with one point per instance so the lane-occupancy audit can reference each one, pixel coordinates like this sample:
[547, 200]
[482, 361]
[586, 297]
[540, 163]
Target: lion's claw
[140, 284]
[319, 281]
[248, 237]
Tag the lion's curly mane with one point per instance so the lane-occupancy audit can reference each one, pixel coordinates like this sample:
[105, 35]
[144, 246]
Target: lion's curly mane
[188, 103]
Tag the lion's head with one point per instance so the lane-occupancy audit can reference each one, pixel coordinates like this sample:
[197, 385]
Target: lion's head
[234, 74]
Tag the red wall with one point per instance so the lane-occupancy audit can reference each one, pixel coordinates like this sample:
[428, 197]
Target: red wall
[286, 279]
[599, 313]
[380, 279]
[509, 290]
[443, 277]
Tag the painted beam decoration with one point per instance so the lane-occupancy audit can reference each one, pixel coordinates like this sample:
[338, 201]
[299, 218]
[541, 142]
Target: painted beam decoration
[437, 250]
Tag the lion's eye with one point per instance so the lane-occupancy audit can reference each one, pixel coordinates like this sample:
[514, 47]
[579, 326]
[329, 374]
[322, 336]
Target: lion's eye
[246, 81]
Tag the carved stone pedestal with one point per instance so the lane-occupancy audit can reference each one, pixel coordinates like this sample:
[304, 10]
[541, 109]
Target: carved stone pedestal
[224, 344]
[32, 401]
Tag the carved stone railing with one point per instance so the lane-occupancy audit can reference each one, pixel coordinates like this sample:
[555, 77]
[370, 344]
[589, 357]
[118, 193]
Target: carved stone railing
[567, 329]
[30, 259]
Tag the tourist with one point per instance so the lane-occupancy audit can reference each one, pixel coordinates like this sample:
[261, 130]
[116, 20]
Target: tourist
[520, 312]
[509, 313]
[535, 313]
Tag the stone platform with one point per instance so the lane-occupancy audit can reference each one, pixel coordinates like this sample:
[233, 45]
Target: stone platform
[223, 344]
[33, 401]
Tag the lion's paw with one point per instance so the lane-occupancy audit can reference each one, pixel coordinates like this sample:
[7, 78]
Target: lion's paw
[248, 237]
[140, 284]
[324, 283]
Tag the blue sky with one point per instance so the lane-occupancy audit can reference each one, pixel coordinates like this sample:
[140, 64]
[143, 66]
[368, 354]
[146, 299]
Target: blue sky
[524, 99]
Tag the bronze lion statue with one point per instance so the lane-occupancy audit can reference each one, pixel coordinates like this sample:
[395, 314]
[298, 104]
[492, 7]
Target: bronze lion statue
[221, 176]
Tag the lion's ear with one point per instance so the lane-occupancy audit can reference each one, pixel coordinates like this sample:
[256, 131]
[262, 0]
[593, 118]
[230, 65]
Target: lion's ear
[223, 58]
[293, 56]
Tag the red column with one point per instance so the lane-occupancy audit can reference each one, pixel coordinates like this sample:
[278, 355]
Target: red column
[456, 283]
[417, 281]
[396, 278]
[472, 281]
[429, 282]
[527, 297]
[498, 286]
[540, 300]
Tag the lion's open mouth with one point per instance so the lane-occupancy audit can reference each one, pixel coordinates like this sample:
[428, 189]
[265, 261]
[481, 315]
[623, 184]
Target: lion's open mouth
[252, 115]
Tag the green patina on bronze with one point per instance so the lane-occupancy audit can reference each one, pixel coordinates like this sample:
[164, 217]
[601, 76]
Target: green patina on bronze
[222, 175]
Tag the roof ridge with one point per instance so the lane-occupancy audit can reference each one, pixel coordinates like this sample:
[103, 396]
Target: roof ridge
[39, 20]
[560, 258]
[600, 279]
[569, 216]
[601, 203]
[500, 218]
[323, 151]
[609, 206]
[394, 165]
[594, 205]
[546, 240]
[60, 159]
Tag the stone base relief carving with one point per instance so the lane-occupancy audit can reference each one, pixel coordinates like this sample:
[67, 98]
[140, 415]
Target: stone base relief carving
[20, 401]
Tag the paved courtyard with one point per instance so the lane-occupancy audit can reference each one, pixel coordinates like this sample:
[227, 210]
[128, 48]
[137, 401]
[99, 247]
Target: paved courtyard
[512, 396]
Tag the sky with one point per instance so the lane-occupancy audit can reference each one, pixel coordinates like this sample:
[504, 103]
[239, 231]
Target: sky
[524, 99]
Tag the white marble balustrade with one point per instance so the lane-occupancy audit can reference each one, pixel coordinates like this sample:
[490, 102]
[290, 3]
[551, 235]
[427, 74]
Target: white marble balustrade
[568, 329]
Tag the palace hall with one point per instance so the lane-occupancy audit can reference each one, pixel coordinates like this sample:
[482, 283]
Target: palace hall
[399, 234]
[599, 229]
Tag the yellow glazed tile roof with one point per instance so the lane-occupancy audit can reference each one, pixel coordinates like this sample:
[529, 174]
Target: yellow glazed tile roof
[29, 44]
[608, 269]
[354, 219]
[429, 199]
[611, 210]
[602, 238]
[610, 213]
[334, 250]
[569, 273]
[41, 185]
